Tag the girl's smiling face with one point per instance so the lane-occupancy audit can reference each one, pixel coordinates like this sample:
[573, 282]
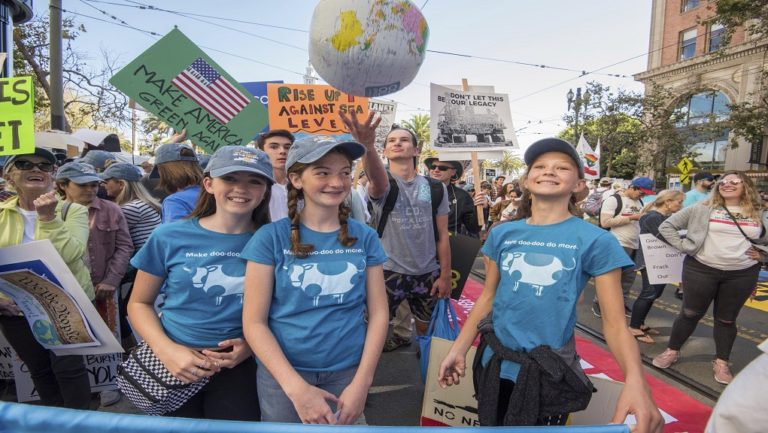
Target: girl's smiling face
[553, 174]
[326, 182]
[239, 192]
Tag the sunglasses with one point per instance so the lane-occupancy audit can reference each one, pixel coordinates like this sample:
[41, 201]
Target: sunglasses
[733, 182]
[440, 167]
[29, 165]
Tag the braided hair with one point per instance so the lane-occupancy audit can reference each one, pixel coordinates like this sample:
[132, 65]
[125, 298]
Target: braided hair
[294, 214]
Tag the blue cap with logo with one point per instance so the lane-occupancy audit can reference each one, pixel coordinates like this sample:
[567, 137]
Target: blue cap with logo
[229, 159]
[644, 184]
[310, 149]
[78, 173]
[122, 171]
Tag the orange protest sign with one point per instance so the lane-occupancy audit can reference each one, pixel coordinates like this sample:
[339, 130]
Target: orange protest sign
[311, 108]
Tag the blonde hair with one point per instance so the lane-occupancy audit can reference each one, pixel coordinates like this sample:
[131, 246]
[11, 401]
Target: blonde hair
[663, 198]
[135, 191]
[294, 195]
[749, 200]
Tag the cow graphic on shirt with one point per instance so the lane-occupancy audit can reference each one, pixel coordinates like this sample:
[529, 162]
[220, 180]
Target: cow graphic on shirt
[536, 269]
[216, 283]
[323, 279]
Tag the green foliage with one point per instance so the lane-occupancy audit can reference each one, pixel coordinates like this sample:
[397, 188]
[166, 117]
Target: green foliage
[419, 124]
[750, 14]
[509, 164]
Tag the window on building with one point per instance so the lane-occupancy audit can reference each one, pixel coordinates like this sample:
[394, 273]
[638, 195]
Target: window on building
[686, 5]
[701, 118]
[687, 44]
[716, 32]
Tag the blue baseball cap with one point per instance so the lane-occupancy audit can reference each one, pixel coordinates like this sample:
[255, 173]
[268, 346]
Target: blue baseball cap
[171, 152]
[39, 151]
[122, 171]
[78, 173]
[552, 144]
[310, 149]
[644, 184]
[98, 158]
[229, 159]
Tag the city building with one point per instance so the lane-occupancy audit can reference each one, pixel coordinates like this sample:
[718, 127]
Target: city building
[685, 56]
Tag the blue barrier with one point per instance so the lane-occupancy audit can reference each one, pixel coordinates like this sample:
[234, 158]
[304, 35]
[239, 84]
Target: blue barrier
[24, 418]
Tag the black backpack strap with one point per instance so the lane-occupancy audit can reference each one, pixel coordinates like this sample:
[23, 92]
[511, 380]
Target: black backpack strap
[389, 204]
[619, 204]
[65, 210]
[436, 192]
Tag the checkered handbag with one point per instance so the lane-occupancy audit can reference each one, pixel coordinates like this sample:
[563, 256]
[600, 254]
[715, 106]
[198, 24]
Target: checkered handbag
[150, 386]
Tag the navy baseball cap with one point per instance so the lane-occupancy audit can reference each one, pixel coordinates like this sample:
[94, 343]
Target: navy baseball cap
[310, 149]
[703, 176]
[122, 171]
[98, 158]
[78, 173]
[39, 151]
[545, 145]
[229, 159]
[644, 184]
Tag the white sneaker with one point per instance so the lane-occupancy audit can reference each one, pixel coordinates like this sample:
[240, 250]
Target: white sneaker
[108, 398]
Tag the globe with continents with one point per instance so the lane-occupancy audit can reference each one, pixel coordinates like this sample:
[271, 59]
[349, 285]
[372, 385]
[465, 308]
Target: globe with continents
[367, 47]
[45, 333]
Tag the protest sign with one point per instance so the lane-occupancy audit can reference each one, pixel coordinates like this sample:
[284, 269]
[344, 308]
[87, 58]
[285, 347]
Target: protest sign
[180, 84]
[17, 116]
[387, 110]
[41, 259]
[463, 252]
[663, 263]
[259, 91]
[470, 121]
[7, 357]
[455, 405]
[312, 108]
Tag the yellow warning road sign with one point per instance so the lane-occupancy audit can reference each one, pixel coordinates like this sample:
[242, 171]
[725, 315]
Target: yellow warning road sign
[685, 165]
[685, 179]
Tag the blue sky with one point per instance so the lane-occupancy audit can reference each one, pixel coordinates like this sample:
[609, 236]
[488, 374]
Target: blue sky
[577, 35]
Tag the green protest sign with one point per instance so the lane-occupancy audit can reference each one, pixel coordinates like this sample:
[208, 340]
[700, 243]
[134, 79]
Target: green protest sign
[180, 84]
[17, 116]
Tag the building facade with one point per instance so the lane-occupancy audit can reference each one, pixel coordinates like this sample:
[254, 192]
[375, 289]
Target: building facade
[685, 56]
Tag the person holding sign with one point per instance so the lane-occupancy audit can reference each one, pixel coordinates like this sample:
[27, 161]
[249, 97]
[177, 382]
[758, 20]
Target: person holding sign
[722, 264]
[36, 214]
[310, 280]
[196, 262]
[536, 268]
[653, 214]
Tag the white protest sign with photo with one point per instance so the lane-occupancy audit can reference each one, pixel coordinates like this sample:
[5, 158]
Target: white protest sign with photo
[387, 110]
[39, 276]
[470, 121]
[663, 263]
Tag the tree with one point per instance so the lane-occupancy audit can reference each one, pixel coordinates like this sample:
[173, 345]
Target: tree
[509, 164]
[752, 15]
[89, 100]
[419, 124]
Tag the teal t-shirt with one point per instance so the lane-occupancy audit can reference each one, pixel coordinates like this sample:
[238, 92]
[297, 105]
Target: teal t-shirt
[204, 278]
[318, 304]
[543, 270]
[694, 196]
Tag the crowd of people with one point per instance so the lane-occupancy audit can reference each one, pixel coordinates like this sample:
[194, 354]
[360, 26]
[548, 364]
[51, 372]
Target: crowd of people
[262, 272]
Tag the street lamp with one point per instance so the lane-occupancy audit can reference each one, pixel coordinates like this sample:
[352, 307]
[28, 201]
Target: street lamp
[577, 102]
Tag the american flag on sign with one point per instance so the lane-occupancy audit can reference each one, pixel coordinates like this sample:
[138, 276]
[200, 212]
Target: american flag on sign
[201, 83]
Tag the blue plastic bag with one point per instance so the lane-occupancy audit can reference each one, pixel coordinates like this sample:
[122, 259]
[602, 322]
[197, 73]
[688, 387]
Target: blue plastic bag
[443, 324]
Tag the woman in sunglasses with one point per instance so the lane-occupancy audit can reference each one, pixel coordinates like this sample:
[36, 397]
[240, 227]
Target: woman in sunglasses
[32, 215]
[721, 265]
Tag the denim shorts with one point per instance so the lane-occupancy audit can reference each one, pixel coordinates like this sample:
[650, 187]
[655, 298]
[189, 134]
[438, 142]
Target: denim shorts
[277, 407]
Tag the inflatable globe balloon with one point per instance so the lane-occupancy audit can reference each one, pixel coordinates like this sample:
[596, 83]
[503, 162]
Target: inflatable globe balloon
[367, 47]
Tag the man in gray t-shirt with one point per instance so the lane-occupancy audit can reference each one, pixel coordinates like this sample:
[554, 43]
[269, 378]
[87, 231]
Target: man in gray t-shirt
[419, 267]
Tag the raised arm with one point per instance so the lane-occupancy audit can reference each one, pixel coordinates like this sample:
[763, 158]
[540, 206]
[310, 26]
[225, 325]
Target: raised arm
[365, 134]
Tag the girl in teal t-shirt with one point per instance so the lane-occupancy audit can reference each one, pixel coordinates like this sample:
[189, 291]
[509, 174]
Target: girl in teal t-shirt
[196, 264]
[309, 282]
[535, 270]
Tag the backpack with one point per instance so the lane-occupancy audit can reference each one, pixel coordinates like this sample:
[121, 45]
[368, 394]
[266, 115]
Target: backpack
[619, 206]
[379, 222]
[593, 203]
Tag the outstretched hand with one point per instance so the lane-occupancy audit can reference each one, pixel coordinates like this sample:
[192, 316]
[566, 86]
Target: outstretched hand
[364, 133]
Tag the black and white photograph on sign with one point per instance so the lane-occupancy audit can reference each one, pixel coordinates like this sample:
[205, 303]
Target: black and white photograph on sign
[490, 173]
[470, 120]
[387, 110]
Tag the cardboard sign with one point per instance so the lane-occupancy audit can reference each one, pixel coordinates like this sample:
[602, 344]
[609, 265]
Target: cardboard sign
[17, 116]
[312, 108]
[452, 406]
[180, 84]
[663, 263]
[463, 252]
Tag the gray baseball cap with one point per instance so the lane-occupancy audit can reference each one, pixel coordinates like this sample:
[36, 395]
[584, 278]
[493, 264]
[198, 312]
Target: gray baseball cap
[98, 158]
[229, 159]
[78, 173]
[310, 149]
[39, 151]
[122, 171]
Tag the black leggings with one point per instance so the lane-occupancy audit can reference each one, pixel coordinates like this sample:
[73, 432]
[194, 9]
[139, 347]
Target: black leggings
[230, 394]
[59, 380]
[704, 284]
